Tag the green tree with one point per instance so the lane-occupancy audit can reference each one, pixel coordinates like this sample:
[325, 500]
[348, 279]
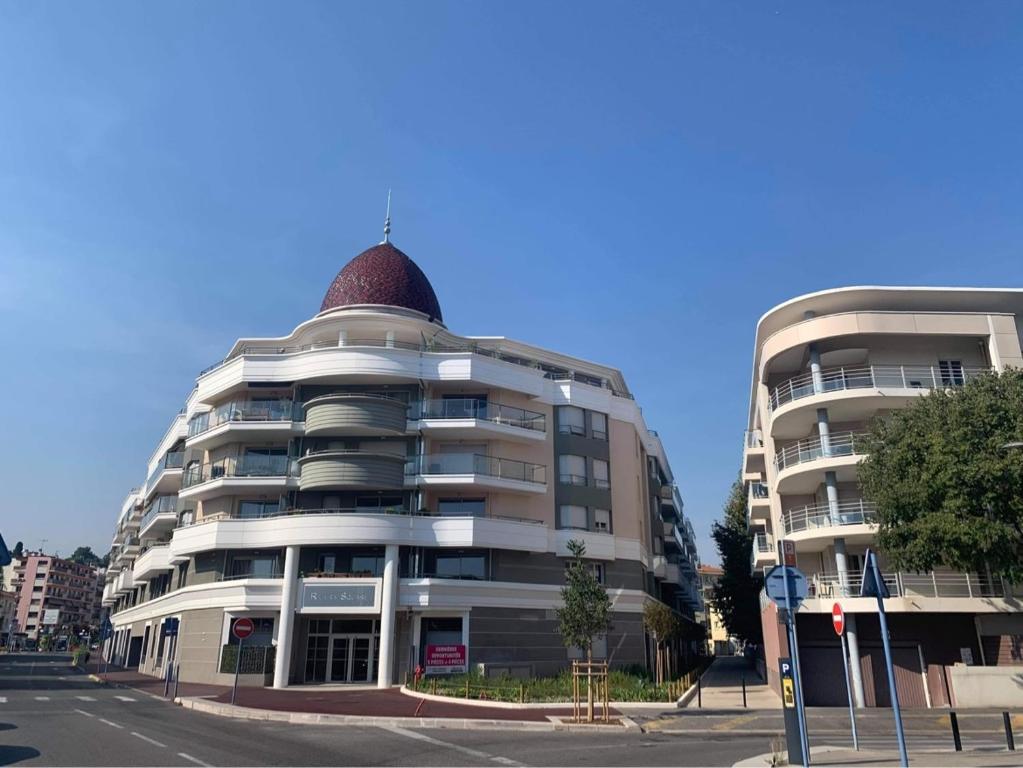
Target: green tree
[18, 550]
[662, 624]
[737, 594]
[586, 610]
[947, 490]
[84, 556]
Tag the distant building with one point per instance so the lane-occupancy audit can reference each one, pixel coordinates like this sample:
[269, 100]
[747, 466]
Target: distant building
[8, 614]
[50, 587]
[721, 643]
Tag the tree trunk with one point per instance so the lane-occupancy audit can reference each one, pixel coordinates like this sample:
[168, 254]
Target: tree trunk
[589, 684]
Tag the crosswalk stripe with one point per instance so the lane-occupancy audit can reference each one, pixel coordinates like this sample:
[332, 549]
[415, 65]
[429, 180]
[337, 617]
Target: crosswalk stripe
[85, 698]
[124, 698]
[3, 699]
[42, 698]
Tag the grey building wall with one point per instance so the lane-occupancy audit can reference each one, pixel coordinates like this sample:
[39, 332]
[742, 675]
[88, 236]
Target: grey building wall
[547, 568]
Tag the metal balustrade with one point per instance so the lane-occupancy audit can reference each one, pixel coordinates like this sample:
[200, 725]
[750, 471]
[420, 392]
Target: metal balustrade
[330, 511]
[283, 409]
[476, 464]
[812, 449]
[932, 584]
[483, 410]
[814, 516]
[159, 506]
[753, 438]
[873, 377]
[240, 466]
[758, 491]
[763, 542]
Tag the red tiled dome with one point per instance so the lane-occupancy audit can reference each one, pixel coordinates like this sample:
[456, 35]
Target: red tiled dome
[383, 275]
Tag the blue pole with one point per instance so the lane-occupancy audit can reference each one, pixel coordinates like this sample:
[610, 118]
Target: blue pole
[797, 682]
[903, 756]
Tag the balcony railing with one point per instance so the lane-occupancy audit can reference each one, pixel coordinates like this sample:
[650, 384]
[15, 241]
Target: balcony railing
[873, 377]
[814, 516]
[838, 444]
[829, 585]
[159, 506]
[484, 410]
[349, 511]
[754, 438]
[476, 464]
[240, 466]
[763, 542]
[283, 409]
[171, 460]
[758, 491]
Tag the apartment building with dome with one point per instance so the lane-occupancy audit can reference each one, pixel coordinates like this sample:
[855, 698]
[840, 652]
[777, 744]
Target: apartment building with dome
[372, 487]
[824, 365]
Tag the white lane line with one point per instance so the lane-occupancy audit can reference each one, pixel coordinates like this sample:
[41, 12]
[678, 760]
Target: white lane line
[85, 698]
[124, 698]
[108, 722]
[195, 760]
[42, 698]
[3, 699]
[146, 738]
[447, 744]
[83, 712]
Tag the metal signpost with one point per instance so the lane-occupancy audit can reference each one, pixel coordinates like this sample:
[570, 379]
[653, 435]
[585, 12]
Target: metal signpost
[873, 586]
[242, 628]
[838, 621]
[787, 587]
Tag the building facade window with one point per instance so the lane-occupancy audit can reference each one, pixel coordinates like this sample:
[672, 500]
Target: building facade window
[461, 507]
[602, 520]
[601, 475]
[575, 517]
[598, 425]
[253, 509]
[571, 420]
[571, 469]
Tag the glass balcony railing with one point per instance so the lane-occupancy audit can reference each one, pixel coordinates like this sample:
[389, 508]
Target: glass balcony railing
[161, 505]
[484, 410]
[838, 444]
[948, 374]
[247, 411]
[476, 464]
[240, 466]
[171, 460]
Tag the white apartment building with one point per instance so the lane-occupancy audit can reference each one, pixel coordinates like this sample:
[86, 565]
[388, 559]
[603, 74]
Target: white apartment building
[372, 486]
[824, 365]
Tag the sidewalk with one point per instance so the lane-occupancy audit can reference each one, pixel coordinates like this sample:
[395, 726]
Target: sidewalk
[840, 757]
[721, 687]
[130, 678]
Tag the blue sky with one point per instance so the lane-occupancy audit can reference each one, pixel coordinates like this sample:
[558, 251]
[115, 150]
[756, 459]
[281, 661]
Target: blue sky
[633, 183]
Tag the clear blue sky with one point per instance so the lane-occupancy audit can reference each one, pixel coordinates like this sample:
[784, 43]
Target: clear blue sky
[634, 183]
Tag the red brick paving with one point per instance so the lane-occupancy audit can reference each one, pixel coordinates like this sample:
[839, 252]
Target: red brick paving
[133, 679]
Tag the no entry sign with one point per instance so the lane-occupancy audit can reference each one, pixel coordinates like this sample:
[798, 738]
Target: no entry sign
[243, 628]
[838, 619]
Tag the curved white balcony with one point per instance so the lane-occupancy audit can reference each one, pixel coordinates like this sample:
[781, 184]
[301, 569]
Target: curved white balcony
[758, 502]
[166, 476]
[346, 469]
[799, 466]
[472, 418]
[159, 517]
[239, 474]
[815, 526]
[325, 526]
[853, 393]
[125, 582]
[152, 562]
[469, 470]
[245, 421]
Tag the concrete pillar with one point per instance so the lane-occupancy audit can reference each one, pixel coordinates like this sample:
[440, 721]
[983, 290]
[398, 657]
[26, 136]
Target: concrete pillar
[815, 369]
[286, 625]
[855, 672]
[824, 431]
[831, 485]
[388, 604]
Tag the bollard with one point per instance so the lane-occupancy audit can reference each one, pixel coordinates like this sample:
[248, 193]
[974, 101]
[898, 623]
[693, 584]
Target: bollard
[1010, 742]
[177, 676]
[955, 731]
[744, 692]
[166, 679]
[699, 693]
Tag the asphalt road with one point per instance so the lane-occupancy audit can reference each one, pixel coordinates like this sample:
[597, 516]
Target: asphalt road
[50, 715]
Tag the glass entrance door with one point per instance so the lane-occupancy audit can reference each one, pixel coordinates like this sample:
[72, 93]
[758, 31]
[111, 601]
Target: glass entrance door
[340, 659]
[351, 660]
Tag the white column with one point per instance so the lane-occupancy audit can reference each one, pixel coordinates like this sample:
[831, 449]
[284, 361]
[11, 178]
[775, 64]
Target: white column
[286, 625]
[831, 486]
[388, 603]
[855, 671]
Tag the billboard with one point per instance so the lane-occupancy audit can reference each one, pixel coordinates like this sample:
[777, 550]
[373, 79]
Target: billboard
[445, 659]
[50, 617]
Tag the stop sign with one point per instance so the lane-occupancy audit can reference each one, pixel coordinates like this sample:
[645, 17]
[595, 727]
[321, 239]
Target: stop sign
[243, 628]
[838, 619]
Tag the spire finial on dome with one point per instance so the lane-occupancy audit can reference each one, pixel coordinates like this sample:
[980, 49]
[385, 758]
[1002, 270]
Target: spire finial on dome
[387, 220]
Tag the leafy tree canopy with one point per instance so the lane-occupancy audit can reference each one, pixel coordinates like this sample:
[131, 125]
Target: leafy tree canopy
[586, 611]
[85, 556]
[737, 594]
[660, 621]
[948, 491]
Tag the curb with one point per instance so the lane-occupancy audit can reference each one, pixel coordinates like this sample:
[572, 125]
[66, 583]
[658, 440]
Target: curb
[490, 703]
[310, 718]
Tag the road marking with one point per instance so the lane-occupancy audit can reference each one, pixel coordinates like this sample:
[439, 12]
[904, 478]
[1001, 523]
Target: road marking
[85, 698]
[457, 747]
[42, 698]
[124, 698]
[195, 760]
[3, 699]
[734, 723]
[146, 738]
[108, 722]
[83, 712]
